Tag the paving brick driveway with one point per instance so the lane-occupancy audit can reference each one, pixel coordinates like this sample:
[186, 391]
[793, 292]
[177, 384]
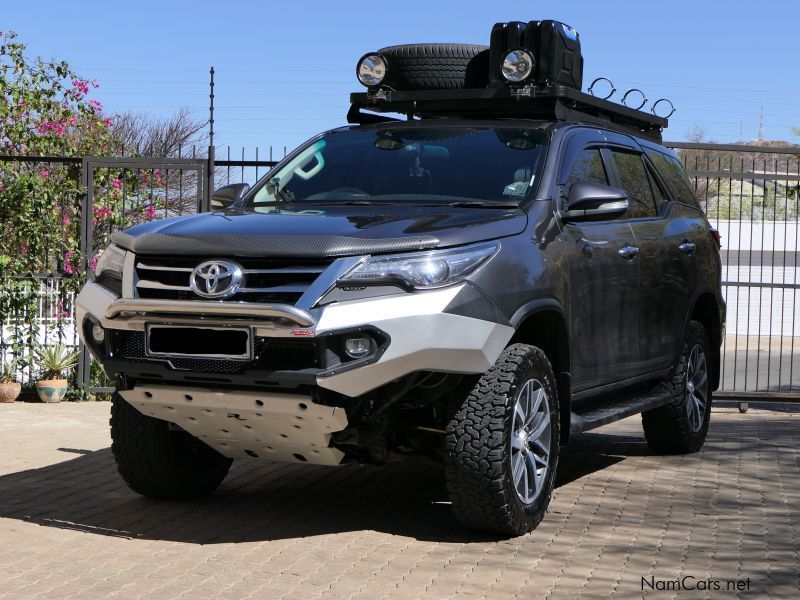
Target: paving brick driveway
[70, 528]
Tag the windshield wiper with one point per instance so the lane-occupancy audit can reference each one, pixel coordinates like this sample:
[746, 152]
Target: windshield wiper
[337, 202]
[484, 204]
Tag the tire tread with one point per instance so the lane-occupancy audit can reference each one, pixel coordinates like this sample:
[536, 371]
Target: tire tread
[476, 453]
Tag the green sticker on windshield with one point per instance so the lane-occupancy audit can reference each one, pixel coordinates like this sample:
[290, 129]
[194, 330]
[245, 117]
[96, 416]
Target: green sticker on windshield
[518, 188]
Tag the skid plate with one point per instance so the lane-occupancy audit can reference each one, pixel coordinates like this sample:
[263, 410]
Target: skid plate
[281, 427]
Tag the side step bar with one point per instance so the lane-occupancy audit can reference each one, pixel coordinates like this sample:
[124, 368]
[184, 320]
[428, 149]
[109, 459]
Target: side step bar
[598, 416]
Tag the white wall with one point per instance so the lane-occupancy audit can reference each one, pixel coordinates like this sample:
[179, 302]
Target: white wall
[759, 235]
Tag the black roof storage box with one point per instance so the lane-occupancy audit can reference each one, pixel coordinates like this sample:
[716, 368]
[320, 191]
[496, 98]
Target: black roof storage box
[556, 50]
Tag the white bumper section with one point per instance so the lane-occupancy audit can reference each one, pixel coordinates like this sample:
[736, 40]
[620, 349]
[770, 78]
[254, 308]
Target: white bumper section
[423, 338]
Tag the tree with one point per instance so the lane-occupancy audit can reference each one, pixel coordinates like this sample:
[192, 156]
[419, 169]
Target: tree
[145, 135]
[45, 111]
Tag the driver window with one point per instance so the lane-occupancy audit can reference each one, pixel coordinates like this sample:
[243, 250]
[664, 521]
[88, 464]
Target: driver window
[588, 167]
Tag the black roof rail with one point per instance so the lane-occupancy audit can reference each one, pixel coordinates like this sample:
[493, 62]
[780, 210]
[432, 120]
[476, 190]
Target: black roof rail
[552, 103]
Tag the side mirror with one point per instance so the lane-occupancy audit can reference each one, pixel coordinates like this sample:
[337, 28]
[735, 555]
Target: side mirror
[589, 201]
[228, 195]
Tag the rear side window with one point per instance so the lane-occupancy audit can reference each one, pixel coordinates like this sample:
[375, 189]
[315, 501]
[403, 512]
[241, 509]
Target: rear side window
[671, 171]
[633, 179]
[588, 167]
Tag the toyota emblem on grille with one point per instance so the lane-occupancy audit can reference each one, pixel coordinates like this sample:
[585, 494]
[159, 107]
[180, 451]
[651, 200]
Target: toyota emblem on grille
[216, 279]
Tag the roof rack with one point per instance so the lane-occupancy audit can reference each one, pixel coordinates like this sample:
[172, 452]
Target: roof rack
[554, 102]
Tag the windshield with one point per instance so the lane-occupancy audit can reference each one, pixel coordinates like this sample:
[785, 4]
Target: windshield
[405, 165]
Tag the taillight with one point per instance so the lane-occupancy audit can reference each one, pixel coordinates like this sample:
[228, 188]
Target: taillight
[717, 237]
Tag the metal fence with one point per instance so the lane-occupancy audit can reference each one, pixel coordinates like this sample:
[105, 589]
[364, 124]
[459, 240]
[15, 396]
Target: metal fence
[750, 194]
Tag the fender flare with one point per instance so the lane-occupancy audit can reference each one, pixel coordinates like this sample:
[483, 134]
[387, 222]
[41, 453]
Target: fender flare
[563, 378]
[703, 291]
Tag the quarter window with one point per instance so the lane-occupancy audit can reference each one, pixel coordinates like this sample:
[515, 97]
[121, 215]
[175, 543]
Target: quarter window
[671, 171]
[658, 193]
[633, 179]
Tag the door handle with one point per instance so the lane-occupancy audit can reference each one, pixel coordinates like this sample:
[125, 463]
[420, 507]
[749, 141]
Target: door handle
[628, 252]
[588, 245]
[687, 247]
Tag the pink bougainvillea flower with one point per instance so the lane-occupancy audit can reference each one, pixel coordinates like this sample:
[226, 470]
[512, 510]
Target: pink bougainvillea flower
[73, 121]
[93, 263]
[95, 105]
[67, 265]
[80, 85]
[150, 212]
[117, 183]
[45, 173]
[108, 122]
[102, 212]
[23, 248]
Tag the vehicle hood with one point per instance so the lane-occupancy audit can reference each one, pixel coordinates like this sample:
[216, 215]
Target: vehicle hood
[328, 231]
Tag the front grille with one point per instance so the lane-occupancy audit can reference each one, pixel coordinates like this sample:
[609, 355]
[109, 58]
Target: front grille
[265, 280]
[270, 354]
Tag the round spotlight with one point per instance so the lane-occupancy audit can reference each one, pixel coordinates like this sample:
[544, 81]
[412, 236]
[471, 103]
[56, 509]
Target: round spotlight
[371, 69]
[518, 66]
[98, 333]
[357, 346]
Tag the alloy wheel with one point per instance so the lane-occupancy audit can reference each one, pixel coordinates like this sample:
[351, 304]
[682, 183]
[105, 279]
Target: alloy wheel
[530, 440]
[696, 388]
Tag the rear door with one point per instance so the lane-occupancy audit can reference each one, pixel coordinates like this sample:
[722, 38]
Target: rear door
[603, 283]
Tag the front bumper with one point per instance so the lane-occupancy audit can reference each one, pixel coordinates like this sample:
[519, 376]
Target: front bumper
[425, 331]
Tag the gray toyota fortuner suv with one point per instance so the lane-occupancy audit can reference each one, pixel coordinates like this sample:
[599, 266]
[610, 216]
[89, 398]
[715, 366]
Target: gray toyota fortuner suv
[511, 263]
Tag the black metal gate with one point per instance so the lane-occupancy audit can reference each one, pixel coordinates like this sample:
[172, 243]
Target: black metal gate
[750, 194]
[126, 192]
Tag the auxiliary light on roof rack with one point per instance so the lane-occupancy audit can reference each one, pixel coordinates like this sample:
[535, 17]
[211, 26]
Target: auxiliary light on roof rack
[530, 70]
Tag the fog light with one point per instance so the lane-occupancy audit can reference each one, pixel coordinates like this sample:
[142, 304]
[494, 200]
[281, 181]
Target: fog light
[357, 346]
[98, 333]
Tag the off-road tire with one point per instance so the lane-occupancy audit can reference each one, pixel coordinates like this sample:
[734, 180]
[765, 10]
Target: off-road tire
[436, 66]
[477, 446]
[159, 461]
[666, 428]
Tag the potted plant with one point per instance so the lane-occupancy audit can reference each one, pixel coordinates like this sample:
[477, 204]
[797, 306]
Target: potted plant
[54, 360]
[9, 387]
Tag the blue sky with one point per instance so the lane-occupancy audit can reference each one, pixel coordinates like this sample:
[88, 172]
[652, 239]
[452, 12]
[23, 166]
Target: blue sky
[284, 69]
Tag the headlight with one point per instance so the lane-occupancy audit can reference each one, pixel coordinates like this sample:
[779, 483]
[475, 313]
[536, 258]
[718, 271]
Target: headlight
[517, 66]
[110, 262]
[422, 270]
[371, 69]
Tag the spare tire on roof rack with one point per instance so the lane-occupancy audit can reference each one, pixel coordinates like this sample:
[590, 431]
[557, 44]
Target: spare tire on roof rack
[435, 66]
